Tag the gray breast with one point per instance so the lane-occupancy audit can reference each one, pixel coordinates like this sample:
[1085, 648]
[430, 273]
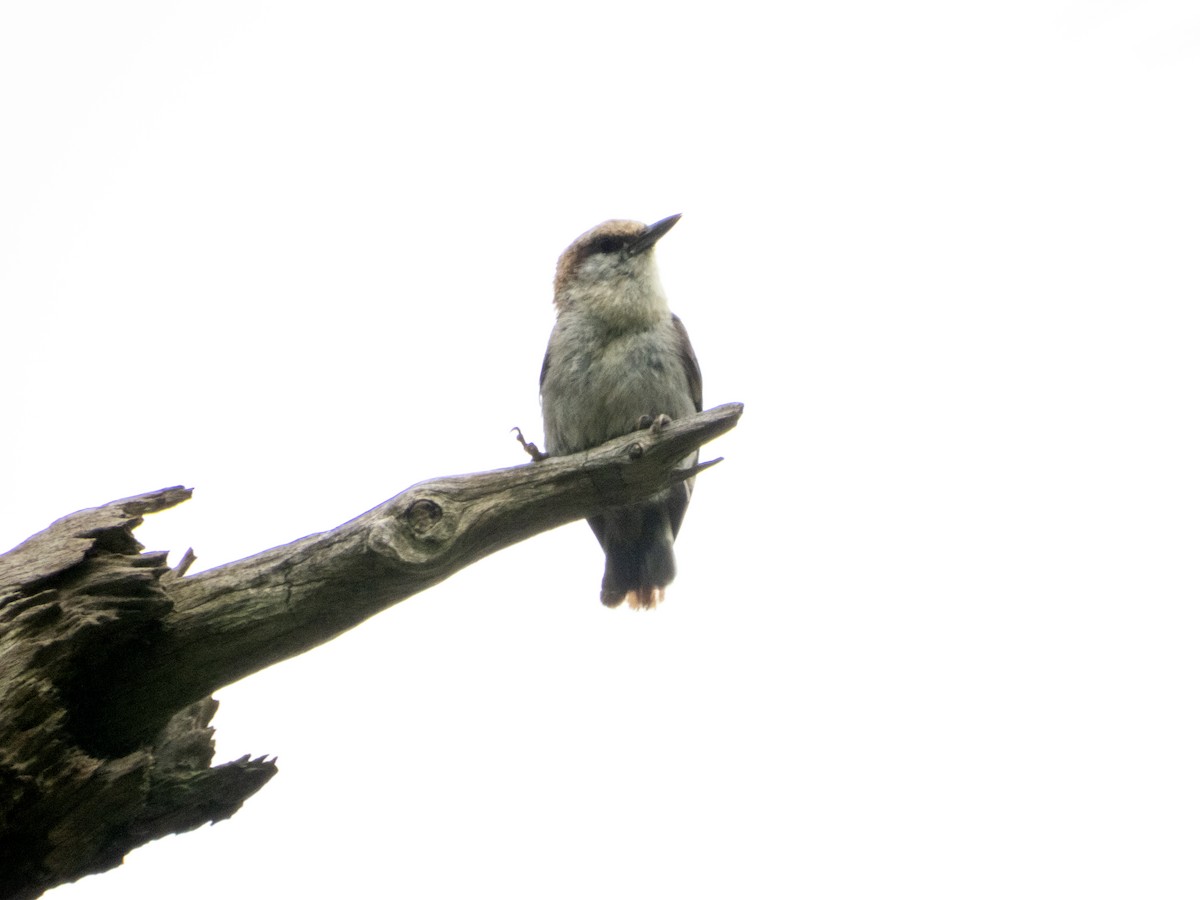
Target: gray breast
[599, 384]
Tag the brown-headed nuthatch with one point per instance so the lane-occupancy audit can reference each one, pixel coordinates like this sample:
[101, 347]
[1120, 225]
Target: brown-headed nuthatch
[619, 360]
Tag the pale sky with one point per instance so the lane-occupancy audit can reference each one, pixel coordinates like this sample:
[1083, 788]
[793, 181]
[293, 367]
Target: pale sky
[934, 632]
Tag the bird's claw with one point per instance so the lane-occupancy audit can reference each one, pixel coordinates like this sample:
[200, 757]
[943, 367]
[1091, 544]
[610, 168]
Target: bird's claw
[659, 423]
[530, 447]
[654, 423]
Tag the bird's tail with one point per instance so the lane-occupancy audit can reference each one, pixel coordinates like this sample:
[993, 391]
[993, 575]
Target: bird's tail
[639, 555]
[637, 598]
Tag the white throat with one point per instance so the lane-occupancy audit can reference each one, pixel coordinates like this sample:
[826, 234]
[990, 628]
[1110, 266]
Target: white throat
[623, 292]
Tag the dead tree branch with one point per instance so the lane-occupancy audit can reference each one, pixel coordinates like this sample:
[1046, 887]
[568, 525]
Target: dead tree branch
[108, 659]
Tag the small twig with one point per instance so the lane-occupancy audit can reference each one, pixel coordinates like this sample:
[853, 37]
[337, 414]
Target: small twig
[700, 467]
[182, 566]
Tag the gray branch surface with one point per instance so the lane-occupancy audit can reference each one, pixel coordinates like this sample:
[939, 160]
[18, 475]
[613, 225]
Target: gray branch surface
[108, 659]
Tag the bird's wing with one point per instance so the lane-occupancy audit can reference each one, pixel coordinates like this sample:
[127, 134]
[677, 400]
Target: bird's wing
[690, 366]
[680, 494]
[545, 369]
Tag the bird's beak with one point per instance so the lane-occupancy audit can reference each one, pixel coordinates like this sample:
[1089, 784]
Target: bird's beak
[653, 233]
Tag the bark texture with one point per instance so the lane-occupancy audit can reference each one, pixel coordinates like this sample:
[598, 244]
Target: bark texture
[108, 659]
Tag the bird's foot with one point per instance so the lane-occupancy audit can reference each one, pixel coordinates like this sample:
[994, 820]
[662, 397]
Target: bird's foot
[654, 423]
[530, 447]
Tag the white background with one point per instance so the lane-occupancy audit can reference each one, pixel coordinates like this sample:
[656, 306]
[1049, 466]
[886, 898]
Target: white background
[935, 629]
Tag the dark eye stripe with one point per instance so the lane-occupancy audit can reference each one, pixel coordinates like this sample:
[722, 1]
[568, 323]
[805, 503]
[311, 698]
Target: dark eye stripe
[607, 245]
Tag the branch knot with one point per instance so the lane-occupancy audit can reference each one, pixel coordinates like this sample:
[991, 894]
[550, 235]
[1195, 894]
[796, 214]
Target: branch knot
[422, 516]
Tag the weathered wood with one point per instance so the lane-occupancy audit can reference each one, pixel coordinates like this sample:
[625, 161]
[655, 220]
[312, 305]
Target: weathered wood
[72, 599]
[108, 659]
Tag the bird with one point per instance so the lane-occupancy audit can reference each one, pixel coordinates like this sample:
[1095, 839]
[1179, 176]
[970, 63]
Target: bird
[619, 360]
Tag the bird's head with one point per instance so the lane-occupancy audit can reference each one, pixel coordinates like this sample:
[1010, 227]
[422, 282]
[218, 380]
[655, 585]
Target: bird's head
[610, 272]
